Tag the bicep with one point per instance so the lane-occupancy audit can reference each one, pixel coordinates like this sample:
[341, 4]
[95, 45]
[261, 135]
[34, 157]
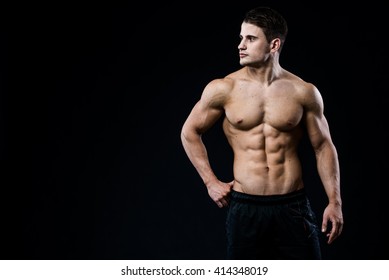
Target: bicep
[316, 122]
[209, 108]
[202, 117]
[317, 129]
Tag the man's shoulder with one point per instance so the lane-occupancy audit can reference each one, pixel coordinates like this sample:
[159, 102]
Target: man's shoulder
[222, 85]
[300, 85]
[228, 82]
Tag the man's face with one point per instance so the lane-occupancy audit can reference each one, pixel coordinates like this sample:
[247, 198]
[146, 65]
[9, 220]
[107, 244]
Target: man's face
[253, 47]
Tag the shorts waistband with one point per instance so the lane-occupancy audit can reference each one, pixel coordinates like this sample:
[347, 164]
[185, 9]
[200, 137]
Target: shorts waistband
[271, 199]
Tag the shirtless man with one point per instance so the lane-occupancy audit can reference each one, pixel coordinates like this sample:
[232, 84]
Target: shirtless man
[266, 110]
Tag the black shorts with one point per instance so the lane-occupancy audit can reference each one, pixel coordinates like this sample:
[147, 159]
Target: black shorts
[272, 227]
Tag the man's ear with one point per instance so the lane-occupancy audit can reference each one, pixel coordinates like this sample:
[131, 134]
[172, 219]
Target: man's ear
[275, 44]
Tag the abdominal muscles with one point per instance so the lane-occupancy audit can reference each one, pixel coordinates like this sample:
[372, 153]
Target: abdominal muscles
[265, 159]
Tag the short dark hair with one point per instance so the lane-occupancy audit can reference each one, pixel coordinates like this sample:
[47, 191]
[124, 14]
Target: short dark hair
[270, 21]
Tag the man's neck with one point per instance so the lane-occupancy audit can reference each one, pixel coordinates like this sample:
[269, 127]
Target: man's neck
[266, 74]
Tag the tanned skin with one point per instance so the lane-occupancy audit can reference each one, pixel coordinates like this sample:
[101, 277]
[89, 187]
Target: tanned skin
[266, 110]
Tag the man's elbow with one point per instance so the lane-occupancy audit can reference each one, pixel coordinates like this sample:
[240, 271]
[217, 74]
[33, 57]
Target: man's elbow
[185, 134]
[189, 134]
[324, 147]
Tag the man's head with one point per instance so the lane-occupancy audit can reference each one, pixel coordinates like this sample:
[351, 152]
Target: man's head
[270, 21]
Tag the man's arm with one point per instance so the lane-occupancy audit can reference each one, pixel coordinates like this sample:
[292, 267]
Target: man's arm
[202, 117]
[327, 164]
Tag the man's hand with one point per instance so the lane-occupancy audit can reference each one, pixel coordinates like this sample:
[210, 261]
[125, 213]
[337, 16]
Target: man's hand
[332, 214]
[220, 193]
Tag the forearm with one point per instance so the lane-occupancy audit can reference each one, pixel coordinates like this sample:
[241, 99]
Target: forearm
[329, 172]
[197, 154]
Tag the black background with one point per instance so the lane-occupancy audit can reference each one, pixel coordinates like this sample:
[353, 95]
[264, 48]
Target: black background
[93, 97]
